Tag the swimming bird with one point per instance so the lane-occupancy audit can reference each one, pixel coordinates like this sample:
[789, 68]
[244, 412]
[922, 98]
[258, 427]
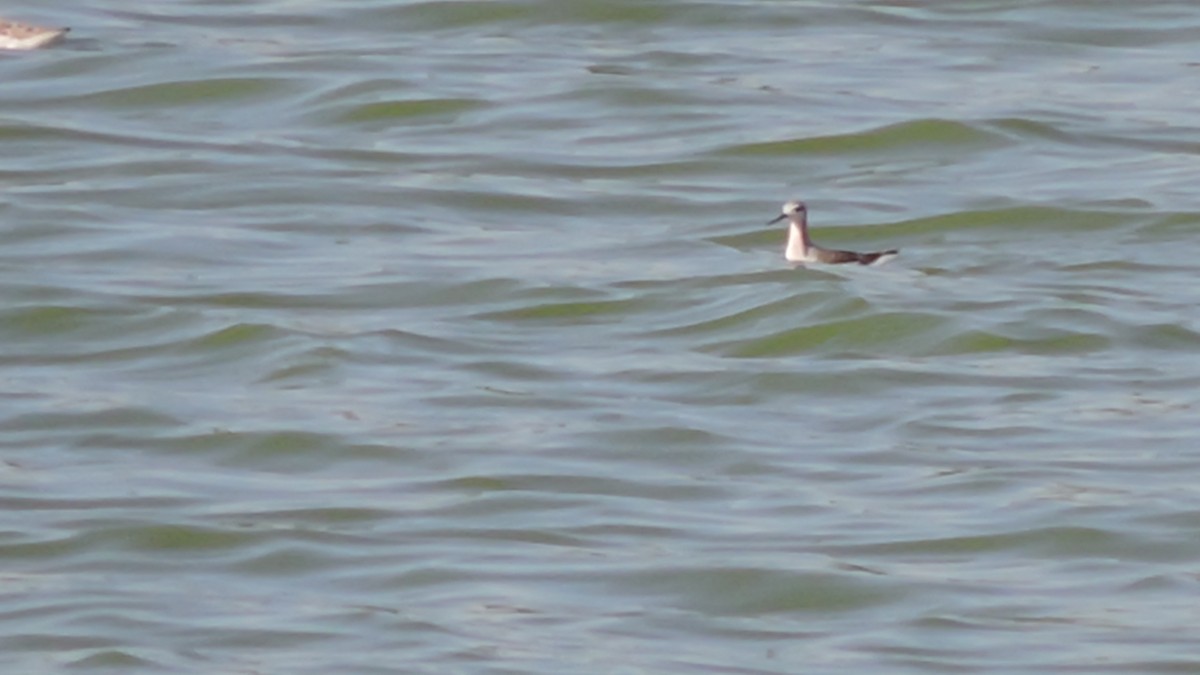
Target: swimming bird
[800, 247]
[14, 35]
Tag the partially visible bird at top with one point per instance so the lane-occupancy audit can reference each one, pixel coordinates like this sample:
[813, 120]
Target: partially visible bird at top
[16, 35]
[800, 247]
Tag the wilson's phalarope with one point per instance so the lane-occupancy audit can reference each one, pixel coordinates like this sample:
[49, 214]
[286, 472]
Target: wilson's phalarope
[800, 247]
[15, 35]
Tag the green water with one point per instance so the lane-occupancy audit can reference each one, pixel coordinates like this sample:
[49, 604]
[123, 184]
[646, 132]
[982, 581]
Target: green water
[434, 337]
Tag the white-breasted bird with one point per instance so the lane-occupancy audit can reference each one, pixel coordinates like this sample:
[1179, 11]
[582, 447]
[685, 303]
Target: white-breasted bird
[16, 35]
[801, 249]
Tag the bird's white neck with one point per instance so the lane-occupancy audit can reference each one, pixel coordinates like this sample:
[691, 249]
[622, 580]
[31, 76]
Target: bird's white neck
[798, 243]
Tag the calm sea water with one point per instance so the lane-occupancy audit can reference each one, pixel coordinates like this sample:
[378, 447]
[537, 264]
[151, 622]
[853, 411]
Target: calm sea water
[432, 337]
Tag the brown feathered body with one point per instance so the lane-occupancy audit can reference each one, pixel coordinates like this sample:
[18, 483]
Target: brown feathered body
[801, 249]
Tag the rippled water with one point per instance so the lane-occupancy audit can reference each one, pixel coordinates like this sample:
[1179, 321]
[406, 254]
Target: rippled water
[384, 337]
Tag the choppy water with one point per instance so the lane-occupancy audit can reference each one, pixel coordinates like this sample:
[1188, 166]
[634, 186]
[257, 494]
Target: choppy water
[377, 337]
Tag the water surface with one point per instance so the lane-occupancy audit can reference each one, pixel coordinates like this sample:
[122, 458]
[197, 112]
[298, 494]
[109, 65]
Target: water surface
[448, 337]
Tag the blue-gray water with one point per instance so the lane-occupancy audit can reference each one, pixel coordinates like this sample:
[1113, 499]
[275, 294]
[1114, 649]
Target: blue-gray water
[430, 337]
